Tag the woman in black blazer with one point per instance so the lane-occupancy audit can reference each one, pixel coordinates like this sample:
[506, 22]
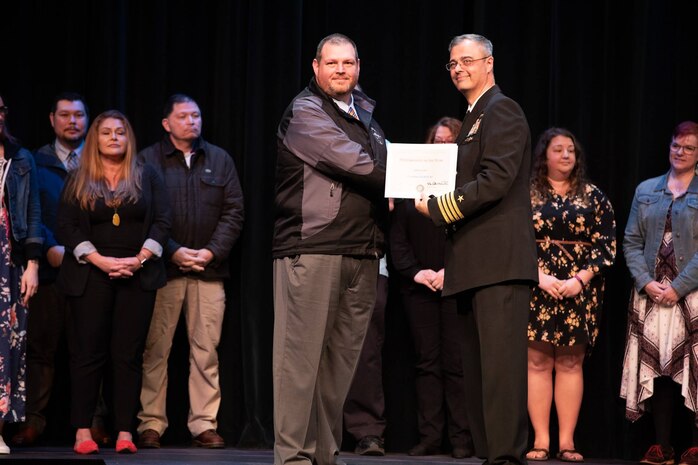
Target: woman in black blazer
[113, 219]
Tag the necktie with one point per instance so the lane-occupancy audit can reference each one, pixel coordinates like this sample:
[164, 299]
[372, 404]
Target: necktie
[73, 161]
[352, 112]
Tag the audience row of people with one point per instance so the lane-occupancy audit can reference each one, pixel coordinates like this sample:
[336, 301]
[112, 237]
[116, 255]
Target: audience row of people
[118, 267]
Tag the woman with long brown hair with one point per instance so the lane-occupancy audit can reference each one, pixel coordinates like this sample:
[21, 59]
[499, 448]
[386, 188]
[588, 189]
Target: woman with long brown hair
[114, 220]
[576, 236]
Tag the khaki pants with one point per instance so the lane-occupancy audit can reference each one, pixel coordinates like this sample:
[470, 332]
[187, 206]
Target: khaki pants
[203, 303]
[322, 307]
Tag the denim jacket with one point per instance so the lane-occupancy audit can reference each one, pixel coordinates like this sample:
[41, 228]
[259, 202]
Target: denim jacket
[22, 199]
[645, 229]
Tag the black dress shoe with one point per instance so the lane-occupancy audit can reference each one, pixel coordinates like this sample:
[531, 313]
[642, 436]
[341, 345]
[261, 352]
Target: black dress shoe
[423, 449]
[370, 445]
[26, 436]
[461, 452]
[100, 435]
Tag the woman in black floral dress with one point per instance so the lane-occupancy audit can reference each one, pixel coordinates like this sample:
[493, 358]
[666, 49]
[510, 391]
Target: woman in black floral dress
[575, 232]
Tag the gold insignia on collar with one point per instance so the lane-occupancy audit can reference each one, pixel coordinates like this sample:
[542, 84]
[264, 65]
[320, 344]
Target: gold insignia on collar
[460, 198]
[476, 126]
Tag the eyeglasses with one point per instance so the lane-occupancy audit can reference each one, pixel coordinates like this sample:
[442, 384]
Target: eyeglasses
[464, 62]
[687, 149]
[4, 110]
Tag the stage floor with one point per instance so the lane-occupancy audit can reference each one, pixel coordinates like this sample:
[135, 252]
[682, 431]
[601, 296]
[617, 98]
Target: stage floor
[193, 456]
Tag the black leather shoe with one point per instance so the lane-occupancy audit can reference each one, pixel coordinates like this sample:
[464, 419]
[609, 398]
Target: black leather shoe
[26, 436]
[100, 435]
[461, 452]
[370, 445]
[423, 449]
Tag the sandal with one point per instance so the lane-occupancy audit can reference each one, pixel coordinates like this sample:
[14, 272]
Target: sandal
[567, 455]
[542, 458]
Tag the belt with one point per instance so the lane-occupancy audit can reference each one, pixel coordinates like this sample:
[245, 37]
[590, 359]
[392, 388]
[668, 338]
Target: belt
[562, 245]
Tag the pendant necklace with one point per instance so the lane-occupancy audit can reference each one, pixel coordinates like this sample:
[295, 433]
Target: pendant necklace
[115, 219]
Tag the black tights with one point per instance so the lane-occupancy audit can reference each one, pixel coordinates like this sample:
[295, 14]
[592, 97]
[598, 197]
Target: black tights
[666, 392]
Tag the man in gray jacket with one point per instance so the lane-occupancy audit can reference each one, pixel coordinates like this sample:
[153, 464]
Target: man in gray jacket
[327, 240]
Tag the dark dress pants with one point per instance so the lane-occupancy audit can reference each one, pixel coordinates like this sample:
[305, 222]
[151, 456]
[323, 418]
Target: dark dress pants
[495, 369]
[436, 332]
[109, 323]
[365, 404]
[47, 322]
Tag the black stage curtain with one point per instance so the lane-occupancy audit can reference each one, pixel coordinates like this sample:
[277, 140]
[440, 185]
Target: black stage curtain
[618, 74]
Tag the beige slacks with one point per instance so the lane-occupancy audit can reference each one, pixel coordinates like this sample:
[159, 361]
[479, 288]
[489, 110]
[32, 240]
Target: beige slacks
[203, 303]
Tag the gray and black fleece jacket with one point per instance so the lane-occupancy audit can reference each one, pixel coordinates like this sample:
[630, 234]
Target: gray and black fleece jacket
[330, 177]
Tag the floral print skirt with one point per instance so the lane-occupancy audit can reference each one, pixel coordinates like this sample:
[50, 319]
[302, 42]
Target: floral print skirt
[13, 332]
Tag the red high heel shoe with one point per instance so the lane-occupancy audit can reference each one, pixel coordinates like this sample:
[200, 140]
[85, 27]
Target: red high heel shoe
[86, 447]
[124, 446]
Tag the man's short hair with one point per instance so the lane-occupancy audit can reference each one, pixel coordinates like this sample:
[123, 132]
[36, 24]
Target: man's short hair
[335, 39]
[482, 40]
[71, 97]
[173, 100]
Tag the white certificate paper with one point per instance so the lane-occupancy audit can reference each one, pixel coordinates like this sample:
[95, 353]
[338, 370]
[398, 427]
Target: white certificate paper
[412, 169]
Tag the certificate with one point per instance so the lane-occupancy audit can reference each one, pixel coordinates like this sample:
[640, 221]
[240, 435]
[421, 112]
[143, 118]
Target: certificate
[413, 169]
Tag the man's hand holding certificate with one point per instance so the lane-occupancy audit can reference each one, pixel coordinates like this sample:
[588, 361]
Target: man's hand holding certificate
[416, 169]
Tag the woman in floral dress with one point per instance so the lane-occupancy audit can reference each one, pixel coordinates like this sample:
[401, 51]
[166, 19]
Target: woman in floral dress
[20, 249]
[660, 367]
[575, 232]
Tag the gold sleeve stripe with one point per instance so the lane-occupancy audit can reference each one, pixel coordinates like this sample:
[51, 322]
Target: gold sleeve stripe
[447, 216]
[455, 211]
[447, 201]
